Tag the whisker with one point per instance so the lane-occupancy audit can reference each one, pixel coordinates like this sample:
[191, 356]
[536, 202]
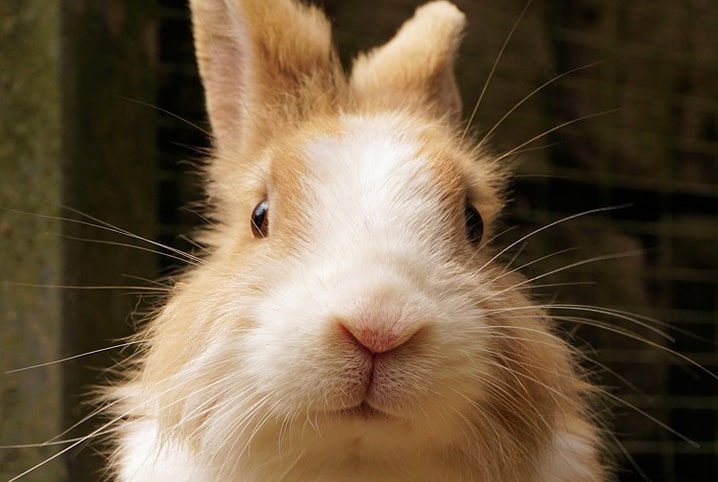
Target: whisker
[40, 445]
[549, 226]
[99, 224]
[167, 112]
[653, 419]
[88, 287]
[606, 369]
[97, 432]
[112, 228]
[186, 258]
[596, 310]
[561, 269]
[552, 129]
[493, 69]
[606, 326]
[505, 273]
[529, 95]
[73, 357]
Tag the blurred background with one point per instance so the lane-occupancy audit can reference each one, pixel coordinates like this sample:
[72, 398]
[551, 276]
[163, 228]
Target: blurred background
[101, 121]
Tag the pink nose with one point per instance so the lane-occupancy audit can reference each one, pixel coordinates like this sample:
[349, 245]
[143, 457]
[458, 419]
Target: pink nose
[378, 336]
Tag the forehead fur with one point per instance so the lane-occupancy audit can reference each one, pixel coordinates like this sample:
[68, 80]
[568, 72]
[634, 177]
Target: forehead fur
[383, 162]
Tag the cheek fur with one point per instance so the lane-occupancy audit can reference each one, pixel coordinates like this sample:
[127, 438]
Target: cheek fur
[327, 322]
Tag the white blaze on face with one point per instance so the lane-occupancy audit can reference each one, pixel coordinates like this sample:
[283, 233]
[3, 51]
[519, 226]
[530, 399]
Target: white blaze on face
[374, 232]
[372, 182]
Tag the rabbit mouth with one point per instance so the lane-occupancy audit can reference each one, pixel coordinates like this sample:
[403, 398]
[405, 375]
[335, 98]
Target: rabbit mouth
[363, 411]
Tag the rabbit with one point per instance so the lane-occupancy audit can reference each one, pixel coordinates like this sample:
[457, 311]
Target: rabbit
[351, 320]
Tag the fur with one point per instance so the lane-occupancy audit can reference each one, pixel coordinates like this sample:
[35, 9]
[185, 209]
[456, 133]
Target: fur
[365, 338]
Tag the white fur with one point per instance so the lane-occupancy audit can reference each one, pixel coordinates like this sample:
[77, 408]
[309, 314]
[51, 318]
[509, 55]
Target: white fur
[149, 459]
[562, 461]
[373, 174]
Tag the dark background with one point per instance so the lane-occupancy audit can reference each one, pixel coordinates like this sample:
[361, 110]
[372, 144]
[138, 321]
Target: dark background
[105, 117]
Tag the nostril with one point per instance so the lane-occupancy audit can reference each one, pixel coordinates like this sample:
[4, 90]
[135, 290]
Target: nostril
[377, 337]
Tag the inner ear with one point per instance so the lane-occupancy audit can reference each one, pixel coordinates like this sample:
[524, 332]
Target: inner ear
[416, 67]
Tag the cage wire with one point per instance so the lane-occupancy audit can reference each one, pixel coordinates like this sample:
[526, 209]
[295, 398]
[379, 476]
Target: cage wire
[640, 137]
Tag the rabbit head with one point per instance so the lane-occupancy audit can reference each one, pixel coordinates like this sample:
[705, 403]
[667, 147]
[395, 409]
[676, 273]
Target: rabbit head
[351, 320]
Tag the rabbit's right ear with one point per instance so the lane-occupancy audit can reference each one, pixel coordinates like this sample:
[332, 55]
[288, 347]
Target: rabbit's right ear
[416, 67]
[263, 63]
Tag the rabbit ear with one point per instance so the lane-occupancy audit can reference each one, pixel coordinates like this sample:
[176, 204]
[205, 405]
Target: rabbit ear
[416, 67]
[262, 62]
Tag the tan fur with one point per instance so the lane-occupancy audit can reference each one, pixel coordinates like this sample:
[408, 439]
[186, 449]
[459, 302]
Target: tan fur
[416, 67]
[274, 86]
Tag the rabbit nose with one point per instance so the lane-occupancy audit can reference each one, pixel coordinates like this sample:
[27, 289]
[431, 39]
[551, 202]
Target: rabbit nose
[378, 333]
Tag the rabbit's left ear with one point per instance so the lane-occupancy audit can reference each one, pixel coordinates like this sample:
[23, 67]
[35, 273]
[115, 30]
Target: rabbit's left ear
[416, 67]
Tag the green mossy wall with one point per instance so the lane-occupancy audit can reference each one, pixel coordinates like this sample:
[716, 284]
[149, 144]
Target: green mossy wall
[30, 245]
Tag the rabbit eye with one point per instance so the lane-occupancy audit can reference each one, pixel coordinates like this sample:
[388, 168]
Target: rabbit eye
[474, 223]
[260, 220]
